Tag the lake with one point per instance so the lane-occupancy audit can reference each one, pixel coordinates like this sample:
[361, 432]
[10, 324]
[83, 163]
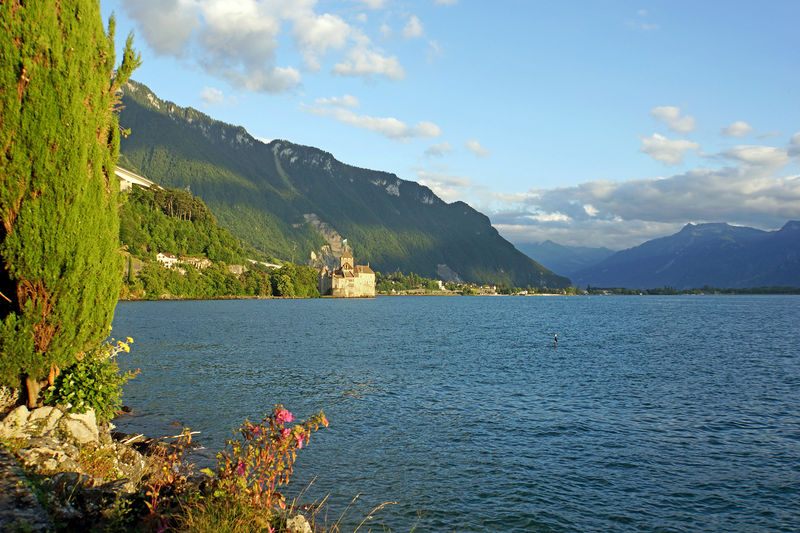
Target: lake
[673, 413]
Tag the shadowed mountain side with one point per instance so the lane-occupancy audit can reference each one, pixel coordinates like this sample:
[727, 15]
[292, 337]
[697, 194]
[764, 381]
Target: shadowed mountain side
[268, 195]
[717, 255]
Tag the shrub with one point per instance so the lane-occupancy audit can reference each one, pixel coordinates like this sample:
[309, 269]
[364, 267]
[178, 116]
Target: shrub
[94, 382]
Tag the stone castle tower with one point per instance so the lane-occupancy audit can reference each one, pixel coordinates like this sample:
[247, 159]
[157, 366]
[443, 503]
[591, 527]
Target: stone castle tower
[347, 281]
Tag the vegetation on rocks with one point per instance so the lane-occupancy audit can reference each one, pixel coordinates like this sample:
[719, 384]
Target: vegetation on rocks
[94, 382]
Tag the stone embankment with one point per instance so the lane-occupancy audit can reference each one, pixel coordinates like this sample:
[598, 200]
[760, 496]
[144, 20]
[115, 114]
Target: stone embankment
[76, 466]
[64, 471]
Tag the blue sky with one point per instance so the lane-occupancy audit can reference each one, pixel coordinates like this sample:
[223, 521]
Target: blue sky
[587, 123]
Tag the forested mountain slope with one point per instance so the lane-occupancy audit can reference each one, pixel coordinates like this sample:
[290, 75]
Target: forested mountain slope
[298, 202]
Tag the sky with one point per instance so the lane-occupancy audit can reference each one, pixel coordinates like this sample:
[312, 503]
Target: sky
[586, 123]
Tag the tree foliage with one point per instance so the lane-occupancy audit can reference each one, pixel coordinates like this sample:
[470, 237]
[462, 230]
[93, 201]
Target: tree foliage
[175, 222]
[59, 136]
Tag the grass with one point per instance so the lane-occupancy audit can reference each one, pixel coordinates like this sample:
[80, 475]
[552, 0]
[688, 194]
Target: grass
[98, 461]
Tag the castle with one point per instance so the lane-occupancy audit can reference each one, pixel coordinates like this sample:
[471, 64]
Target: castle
[347, 281]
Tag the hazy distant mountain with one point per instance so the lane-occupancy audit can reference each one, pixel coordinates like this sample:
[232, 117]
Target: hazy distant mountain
[561, 259]
[299, 203]
[717, 255]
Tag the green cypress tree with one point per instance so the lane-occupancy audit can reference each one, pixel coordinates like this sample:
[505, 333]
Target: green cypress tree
[60, 265]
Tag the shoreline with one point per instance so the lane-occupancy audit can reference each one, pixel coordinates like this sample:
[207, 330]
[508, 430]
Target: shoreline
[437, 294]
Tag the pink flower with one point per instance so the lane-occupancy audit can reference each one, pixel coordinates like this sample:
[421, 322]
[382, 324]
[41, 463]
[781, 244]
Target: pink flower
[282, 415]
[300, 441]
[240, 469]
[285, 433]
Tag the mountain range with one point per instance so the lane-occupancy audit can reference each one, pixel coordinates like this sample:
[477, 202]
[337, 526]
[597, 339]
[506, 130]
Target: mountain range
[299, 203]
[565, 260]
[716, 255]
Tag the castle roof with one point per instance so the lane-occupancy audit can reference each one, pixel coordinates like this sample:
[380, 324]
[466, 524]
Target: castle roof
[347, 254]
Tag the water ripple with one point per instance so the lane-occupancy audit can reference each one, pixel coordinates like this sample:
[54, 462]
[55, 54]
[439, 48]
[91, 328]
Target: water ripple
[653, 414]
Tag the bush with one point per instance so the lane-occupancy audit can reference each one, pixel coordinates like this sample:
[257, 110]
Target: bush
[94, 382]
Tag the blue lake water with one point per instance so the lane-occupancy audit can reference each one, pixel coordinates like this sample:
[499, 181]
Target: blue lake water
[675, 413]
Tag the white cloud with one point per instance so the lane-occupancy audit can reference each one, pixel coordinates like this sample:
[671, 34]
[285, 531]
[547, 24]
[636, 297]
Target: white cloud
[794, 145]
[762, 156]
[413, 28]
[212, 96]
[272, 80]
[447, 187]
[666, 150]
[438, 150]
[373, 4]
[167, 26]
[639, 24]
[315, 34]
[365, 62]
[737, 129]
[624, 214]
[445, 2]
[389, 127]
[671, 116]
[240, 41]
[344, 101]
[590, 210]
[475, 147]
[434, 51]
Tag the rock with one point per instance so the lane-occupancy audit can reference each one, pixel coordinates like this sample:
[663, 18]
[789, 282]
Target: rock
[78, 431]
[44, 420]
[131, 463]
[9, 396]
[298, 524]
[81, 427]
[88, 418]
[48, 455]
[13, 425]
[19, 508]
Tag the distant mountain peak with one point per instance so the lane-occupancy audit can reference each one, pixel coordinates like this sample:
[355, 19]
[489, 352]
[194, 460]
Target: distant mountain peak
[707, 227]
[792, 225]
[716, 254]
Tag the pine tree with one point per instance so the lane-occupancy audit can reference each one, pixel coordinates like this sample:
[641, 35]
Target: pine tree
[59, 140]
